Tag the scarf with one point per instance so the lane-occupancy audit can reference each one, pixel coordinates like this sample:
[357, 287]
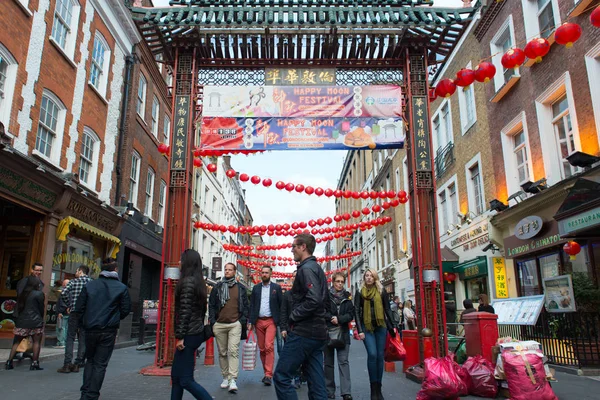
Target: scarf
[224, 289]
[337, 297]
[369, 295]
[110, 274]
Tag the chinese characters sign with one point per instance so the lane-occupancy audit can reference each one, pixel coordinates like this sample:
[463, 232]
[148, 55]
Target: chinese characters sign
[299, 76]
[528, 227]
[500, 278]
[292, 117]
[180, 133]
[421, 141]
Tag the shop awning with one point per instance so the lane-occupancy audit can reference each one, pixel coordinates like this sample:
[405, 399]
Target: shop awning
[64, 227]
[449, 259]
[473, 268]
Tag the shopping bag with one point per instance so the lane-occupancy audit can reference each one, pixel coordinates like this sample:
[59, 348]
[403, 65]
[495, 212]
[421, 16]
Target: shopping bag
[249, 350]
[441, 380]
[526, 376]
[481, 372]
[394, 349]
[26, 345]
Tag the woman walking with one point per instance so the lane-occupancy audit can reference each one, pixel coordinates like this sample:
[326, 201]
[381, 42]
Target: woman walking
[484, 304]
[342, 312]
[30, 321]
[409, 316]
[190, 309]
[373, 318]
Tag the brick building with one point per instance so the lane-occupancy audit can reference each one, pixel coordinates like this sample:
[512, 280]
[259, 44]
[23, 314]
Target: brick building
[62, 69]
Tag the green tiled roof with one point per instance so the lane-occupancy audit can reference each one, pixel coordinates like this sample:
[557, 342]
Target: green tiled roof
[368, 31]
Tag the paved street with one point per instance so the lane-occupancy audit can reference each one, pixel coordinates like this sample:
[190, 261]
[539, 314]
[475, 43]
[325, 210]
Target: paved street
[123, 382]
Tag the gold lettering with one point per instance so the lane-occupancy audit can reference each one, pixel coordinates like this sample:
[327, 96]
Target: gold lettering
[308, 77]
[182, 101]
[291, 76]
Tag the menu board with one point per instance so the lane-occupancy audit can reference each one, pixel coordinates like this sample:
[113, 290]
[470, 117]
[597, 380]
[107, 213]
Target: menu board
[519, 310]
[7, 318]
[150, 311]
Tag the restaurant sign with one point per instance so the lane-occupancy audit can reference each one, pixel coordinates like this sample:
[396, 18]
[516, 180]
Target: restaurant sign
[515, 247]
[529, 227]
[583, 220]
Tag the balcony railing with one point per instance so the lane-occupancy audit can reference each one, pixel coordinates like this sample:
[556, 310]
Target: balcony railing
[444, 158]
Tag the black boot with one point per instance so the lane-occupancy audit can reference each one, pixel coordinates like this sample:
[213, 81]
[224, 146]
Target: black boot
[379, 394]
[374, 395]
[35, 366]
[9, 365]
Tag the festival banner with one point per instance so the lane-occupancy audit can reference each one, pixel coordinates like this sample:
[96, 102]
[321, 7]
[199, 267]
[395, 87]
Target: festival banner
[295, 117]
[301, 133]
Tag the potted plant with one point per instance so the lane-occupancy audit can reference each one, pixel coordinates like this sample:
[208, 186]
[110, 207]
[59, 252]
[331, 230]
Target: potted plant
[586, 343]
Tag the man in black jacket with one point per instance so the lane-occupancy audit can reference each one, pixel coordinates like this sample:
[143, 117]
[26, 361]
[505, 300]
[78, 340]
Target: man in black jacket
[265, 303]
[228, 314]
[308, 330]
[102, 305]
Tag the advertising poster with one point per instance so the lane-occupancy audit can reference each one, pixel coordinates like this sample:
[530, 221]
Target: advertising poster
[500, 278]
[7, 318]
[559, 294]
[150, 311]
[519, 310]
[290, 117]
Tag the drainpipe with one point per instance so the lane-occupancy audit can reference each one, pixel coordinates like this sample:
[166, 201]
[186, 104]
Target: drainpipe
[129, 61]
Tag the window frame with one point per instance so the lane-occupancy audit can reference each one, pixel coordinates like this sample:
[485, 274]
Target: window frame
[93, 171]
[497, 51]
[471, 189]
[70, 38]
[518, 124]
[449, 134]
[102, 78]
[149, 198]
[166, 129]
[155, 116]
[162, 199]
[445, 212]
[141, 101]
[55, 148]
[134, 182]
[531, 22]
[463, 105]
[592, 64]
[10, 81]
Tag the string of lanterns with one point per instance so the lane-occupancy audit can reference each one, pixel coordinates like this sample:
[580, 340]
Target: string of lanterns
[290, 260]
[256, 266]
[537, 48]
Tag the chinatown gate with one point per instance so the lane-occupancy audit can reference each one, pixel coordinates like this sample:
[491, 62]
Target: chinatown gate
[358, 43]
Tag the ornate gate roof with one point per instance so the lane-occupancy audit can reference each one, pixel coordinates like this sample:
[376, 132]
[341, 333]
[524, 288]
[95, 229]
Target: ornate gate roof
[342, 33]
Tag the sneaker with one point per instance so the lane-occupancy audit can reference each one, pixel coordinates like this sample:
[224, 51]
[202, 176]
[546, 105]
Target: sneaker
[65, 369]
[267, 381]
[232, 386]
[74, 367]
[225, 383]
[58, 346]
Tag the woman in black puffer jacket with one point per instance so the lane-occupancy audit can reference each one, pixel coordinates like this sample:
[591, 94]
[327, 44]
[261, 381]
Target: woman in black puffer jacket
[190, 309]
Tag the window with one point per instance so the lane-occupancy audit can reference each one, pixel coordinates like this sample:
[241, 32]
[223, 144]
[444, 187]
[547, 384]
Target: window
[162, 196]
[475, 177]
[592, 63]
[516, 153]
[197, 183]
[134, 177]
[545, 17]
[64, 29]
[563, 131]
[8, 77]
[397, 180]
[391, 247]
[529, 282]
[448, 206]
[159, 63]
[381, 256]
[100, 64]
[443, 211]
[155, 112]
[149, 192]
[442, 126]
[466, 104]
[88, 165]
[521, 159]
[401, 241]
[170, 83]
[541, 17]
[166, 129]
[503, 41]
[48, 141]
[141, 97]
[453, 200]
[475, 287]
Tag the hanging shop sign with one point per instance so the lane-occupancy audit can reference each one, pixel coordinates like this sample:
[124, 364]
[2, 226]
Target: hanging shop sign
[300, 76]
[422, 140]
[559, 294]
[180, 133]
[18, 185]
[473, 268]
[292, 117]
[583, 220]
[217, 263]
[500, 278]
[474, 237]
[529, 227]
[92, 217]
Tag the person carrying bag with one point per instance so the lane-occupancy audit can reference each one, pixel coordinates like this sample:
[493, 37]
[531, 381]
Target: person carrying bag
[249, 349]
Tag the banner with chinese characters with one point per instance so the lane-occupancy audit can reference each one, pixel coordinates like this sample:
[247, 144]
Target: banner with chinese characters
[280, 117]
[421, 140]
[180, 133]
[299, 76]
[500, 278]
[301, 133]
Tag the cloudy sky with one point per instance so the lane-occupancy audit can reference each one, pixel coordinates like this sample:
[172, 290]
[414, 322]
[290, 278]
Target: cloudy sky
[314, 168]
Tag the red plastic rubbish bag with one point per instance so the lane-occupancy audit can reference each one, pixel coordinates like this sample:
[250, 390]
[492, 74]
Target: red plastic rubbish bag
[442, 381]
[465, 377]
[394, 349]
[526, 376]
[481, 373]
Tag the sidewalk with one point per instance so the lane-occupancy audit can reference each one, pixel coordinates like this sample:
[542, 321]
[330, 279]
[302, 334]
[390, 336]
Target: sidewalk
[123, 381]
[50, 353]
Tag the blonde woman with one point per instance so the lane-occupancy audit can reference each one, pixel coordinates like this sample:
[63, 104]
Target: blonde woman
[409, 316]
[373, 318]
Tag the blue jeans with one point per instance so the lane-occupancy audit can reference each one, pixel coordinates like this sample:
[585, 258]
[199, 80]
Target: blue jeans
[182, 372]
[299, 351]
[61, 333]
[98, 350]
[75, 328]
[375, 345]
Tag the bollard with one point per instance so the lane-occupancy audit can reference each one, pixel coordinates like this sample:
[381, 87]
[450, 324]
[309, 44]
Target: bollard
[209, 356]
[411, 344]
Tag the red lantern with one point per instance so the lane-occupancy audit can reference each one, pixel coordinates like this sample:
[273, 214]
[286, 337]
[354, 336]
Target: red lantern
[289, 187]
[449, 276]
[197, 152]
[366, 211]
[244, 177]
[230, 173]
[567, 34]
[328, 192]
[355, 214]
[376, 208]
[197, 162]
[212, 167]
[445, 88]
[267, 182]
[513, 58]
[572, 249]
[255, 179]
[197, 225]
[309, 190]
[338, 193]
[299, 188]
[319, 191]
[403, 200]
[485, 71]
[280, 185]
[355, 195]
[595, 17]
[464, 77]
[536, 49]
[402, 193]
[163, 148]
[347, 194]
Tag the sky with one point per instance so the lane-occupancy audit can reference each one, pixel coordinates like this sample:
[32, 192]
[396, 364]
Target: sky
[437, 3]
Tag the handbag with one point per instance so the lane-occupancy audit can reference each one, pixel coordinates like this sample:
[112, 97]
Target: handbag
[394, 349]
[249, 350]
[26, 345]
[335, 337]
